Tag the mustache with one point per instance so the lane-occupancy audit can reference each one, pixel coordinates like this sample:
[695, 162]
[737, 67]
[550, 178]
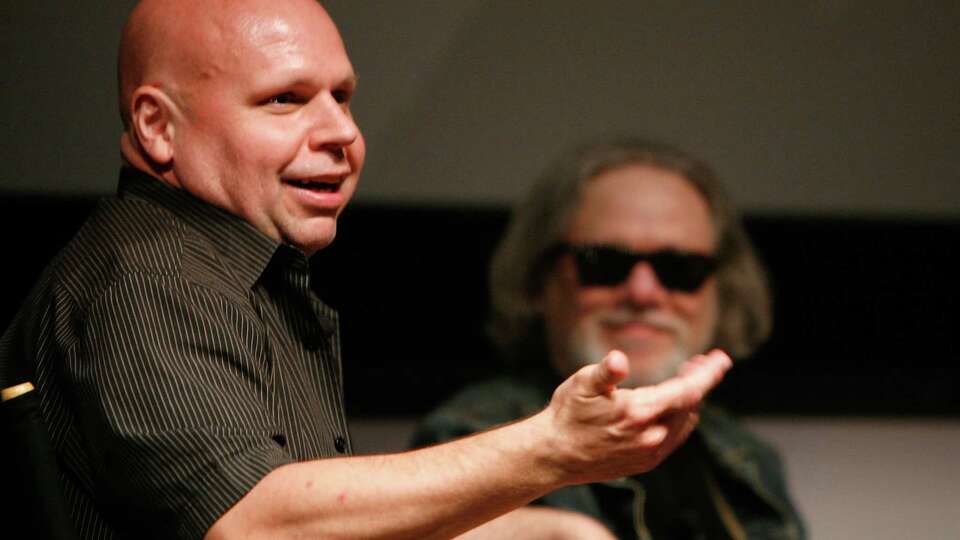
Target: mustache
[656, 319]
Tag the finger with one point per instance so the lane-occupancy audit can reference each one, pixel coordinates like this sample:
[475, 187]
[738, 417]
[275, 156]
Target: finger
[679, 426]
[699, 375]
[602, 378]
[654, 435]
[705, 374]
[699, 359]
[666, 435]
[717, 364]
[683, 425]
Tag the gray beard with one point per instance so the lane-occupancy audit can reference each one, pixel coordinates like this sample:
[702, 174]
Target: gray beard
[584, 352]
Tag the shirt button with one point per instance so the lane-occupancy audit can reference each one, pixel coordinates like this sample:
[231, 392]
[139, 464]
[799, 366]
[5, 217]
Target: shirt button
[340, 444]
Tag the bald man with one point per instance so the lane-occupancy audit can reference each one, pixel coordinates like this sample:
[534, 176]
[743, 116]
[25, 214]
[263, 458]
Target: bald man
[188, 376]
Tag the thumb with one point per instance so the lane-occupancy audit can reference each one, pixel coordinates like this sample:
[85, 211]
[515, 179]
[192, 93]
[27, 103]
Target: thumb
[603, 377]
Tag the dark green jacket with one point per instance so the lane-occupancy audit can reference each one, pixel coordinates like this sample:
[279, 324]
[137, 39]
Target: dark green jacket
[723, 483]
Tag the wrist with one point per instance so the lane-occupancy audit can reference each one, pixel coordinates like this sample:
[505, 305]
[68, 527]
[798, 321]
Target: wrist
[546, 450]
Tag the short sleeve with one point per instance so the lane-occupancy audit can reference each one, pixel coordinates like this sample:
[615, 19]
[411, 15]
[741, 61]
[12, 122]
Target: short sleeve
[172, 393]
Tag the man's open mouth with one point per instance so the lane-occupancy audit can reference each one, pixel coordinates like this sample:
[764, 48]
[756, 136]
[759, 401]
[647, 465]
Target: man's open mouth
[316, 185]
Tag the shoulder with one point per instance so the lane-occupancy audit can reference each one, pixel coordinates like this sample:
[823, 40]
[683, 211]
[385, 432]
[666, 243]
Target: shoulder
[120, 237]
[514, 395]
[111, 243]
[129, 255]
[135, 237]
[745, 456]
[481, 406]
[729, 438]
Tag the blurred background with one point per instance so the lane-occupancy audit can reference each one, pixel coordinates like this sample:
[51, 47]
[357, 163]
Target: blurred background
[835, 126]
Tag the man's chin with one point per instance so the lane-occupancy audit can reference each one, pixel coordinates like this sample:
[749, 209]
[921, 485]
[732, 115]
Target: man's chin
[313, 235]
[649, 368]
[646, 368]
[638, 378]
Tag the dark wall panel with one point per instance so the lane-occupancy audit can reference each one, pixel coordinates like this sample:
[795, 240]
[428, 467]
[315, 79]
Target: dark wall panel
[865, 307]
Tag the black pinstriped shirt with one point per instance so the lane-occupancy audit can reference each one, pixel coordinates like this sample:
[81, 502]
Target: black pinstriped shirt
[180, 356]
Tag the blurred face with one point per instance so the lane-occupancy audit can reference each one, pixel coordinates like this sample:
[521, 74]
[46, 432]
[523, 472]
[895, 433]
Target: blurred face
[643, 209]
[266, 130]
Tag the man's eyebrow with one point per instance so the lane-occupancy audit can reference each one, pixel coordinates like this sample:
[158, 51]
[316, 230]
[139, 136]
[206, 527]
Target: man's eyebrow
[350, 81]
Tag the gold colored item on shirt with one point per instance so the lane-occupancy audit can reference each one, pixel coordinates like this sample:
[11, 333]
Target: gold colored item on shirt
[14, 391]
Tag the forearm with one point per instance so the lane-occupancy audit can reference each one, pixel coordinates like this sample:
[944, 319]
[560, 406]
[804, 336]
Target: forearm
[540, 523]
[591, 431]
[436, 492]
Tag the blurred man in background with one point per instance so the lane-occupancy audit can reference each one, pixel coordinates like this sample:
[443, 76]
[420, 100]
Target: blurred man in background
[630, 245]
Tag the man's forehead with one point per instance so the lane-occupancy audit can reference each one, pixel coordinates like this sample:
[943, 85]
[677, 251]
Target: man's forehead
[203, 26]
[251, 36]
[640, 203]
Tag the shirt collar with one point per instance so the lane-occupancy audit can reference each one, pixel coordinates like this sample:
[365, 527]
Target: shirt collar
[245, 250]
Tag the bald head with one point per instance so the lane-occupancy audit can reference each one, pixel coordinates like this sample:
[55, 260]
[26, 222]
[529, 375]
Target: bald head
[170, 44]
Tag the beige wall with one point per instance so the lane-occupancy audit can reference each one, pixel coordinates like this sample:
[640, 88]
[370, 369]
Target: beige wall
[872, 479]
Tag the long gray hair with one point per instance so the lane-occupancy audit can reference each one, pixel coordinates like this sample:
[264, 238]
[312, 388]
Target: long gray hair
[541, 220]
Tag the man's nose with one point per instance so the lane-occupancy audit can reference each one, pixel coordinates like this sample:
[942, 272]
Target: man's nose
[643, 287]
[333, 126]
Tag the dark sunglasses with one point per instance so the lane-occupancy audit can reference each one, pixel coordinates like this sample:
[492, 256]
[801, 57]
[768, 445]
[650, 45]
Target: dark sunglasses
[603, 265]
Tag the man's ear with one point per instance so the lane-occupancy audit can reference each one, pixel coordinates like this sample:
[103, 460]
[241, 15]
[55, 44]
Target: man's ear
[152, 122]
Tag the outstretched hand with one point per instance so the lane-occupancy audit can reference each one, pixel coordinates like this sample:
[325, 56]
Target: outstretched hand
[604, 432]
